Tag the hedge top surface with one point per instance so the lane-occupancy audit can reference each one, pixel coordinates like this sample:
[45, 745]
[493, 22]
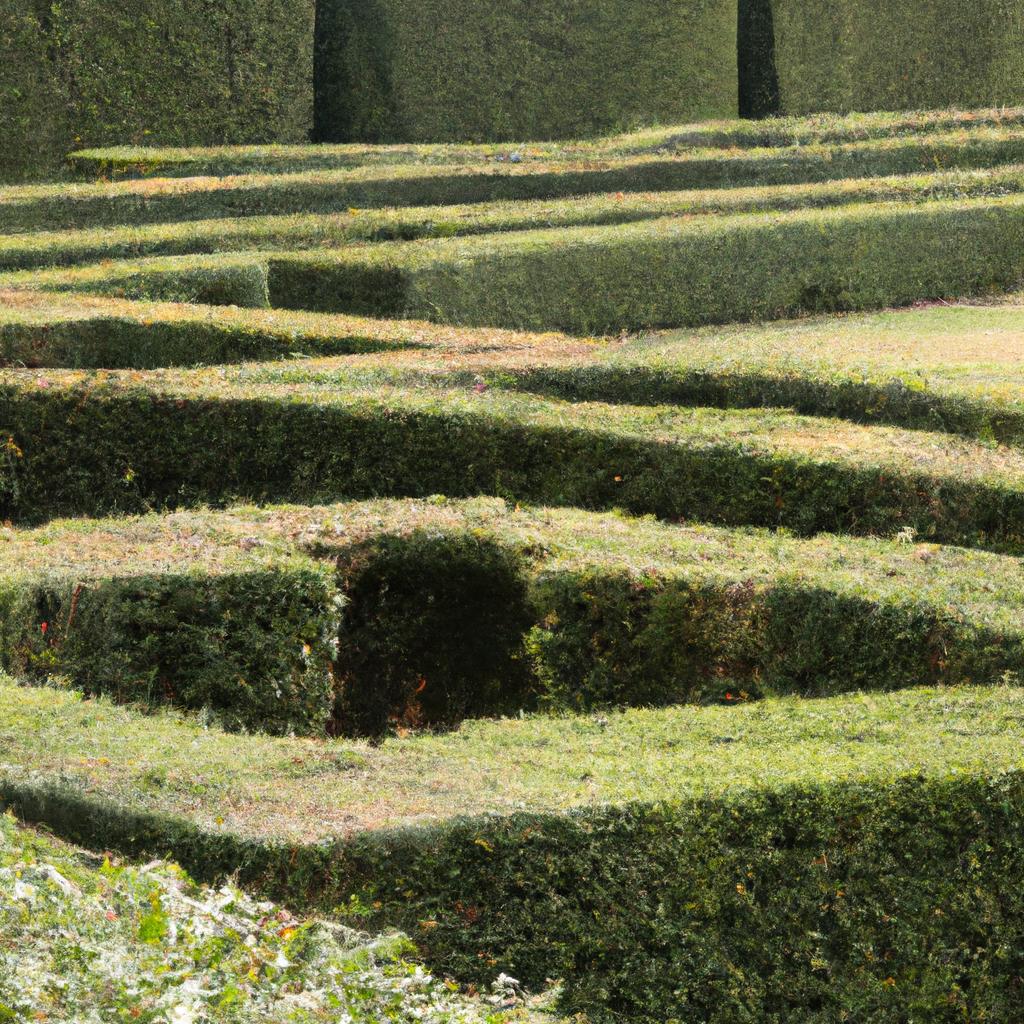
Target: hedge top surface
[924, 153]
[964, 349]
[84, 549]
[307, 791]
[983, 587]
[48, 310]
[150, 161]
[431, 252]
[755, 432]
[301, 230]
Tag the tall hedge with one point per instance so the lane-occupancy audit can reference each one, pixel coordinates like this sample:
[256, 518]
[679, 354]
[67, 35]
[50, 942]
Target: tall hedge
[32, 116]
[440, 70]
[174, 72]
[850, 55]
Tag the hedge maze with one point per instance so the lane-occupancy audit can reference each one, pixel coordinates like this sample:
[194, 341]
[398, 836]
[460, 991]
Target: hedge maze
[603, 565]
[599, 556]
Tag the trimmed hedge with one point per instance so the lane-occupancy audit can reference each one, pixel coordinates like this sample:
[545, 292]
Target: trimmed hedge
[141, 614]
[672, 273]
[80, 331]
[33, 121]
[62, 207]
[876, 55]
[770, 863]
[603, 280]
[226, 280]
[82, 444]
[152, 161]
[461, 610]
[458, 70]
[162, 71]
[947, 368]
[48, 249]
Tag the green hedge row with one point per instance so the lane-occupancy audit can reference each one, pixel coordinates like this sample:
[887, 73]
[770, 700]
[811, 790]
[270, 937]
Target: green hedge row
[860, 368]
[220, 161]
[603, 280]
[79, 205]
[300, 231]
[455, 611]
[461, 70]
[672, 273]
[83, 444]
[46, 331]
[875, 55]
[463, 610]
[250, 637]
[845, 858]
[161, 71]
[233, 279]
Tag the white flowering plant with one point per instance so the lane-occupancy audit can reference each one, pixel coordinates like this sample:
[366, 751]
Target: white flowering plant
[91, 940]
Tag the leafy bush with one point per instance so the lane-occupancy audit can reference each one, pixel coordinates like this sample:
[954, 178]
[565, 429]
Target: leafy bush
[158, 71]
[148, 943]
[876, 55]
[670, 272]
[408, 71]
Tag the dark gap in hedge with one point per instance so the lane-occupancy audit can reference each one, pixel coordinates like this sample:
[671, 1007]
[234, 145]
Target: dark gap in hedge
[758, 74]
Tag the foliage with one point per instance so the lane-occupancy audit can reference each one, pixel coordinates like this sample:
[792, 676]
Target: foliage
[189, 161]
[90, 939]
[112, 204]
[671, 272]
[335, 230]
[172, 72]
[874, 55]
[518, 69]
[780, 859]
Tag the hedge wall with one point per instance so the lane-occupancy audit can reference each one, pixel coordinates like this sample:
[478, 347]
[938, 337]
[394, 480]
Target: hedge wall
[439, 70]
[878, 55]
[885, 900]
[169, 72]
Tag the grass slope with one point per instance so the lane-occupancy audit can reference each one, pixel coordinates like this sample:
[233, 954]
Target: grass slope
[774, 841]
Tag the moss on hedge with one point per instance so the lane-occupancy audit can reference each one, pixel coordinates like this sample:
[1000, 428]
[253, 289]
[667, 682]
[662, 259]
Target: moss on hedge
[519, 70]
[779, 859]
[874, 55]
[172, 72]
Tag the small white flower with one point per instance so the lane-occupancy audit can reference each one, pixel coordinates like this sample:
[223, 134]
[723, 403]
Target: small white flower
[24, 891]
